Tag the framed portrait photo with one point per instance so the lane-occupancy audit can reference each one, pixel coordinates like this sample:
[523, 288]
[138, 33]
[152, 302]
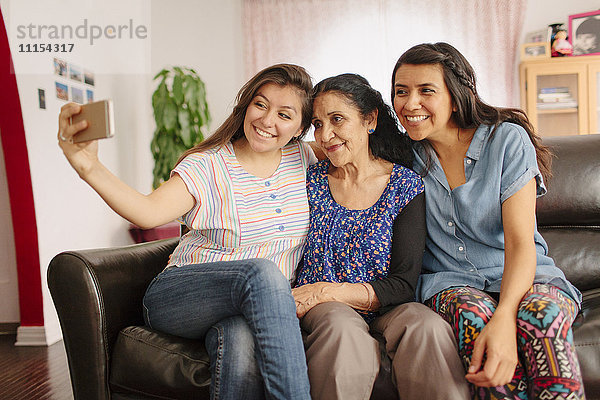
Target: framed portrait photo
[535, 50]
[537, 36]
[584, 33]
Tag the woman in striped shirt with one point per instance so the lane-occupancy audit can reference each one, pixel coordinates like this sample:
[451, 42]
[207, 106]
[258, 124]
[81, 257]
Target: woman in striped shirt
[242, 194]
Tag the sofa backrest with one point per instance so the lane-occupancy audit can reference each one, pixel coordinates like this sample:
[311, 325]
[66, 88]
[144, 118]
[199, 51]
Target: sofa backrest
[568, 216]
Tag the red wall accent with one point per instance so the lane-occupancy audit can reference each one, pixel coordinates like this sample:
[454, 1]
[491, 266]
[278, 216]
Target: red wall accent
[20, 191]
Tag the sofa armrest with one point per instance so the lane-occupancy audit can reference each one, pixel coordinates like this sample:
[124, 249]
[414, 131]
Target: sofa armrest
[97, 293]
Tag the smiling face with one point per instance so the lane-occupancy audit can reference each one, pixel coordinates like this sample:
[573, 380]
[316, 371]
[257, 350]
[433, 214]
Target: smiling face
[422, 101]
[273, 118]
[340, 129]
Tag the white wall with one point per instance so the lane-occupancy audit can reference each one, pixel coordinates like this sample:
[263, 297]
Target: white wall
[541, 13]
[205, 35]
[68, 214]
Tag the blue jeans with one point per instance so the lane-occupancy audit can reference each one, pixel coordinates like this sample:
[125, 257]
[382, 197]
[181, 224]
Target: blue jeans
[188, 301]
[230, 344]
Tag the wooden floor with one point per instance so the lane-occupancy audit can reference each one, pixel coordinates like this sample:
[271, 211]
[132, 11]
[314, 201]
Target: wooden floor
[39, 373]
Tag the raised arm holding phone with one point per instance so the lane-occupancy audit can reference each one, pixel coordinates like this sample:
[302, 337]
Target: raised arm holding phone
[227, 282]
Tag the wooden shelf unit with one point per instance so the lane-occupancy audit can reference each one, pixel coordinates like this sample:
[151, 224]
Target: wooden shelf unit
[581, 75]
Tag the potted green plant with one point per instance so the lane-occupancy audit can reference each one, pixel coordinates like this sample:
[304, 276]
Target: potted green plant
[182, 118]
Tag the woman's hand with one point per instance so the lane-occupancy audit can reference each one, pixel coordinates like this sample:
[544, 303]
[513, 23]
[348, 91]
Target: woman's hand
[82, 156]
[308, 296]
[360, 296]
[498, 341]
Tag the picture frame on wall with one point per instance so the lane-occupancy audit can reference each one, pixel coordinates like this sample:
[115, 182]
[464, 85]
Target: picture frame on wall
[535, 50]
[62, 91]
[77, 95]
[88, 77]
[584, 33]
[90, 95]
[60, 67]
[75, 73]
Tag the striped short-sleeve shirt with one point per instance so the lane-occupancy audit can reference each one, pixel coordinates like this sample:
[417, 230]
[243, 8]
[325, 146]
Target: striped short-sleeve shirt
[239, 216]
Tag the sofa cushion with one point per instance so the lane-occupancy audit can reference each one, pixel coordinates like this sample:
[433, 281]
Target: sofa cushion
[573, 196]
[158, 365]
[576, 251]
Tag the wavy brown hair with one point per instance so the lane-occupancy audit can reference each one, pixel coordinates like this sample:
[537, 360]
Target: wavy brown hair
[471, 112]
[233, 127]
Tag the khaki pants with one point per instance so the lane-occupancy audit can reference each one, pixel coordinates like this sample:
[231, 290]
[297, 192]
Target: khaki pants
[343, 358]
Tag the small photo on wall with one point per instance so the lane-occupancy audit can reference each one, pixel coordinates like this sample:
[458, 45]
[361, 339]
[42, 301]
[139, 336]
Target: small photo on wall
[62, 91]
[77, 95]
[60, 67]
[42, 98]
[90, 95]
[88, 77]
[75, 73]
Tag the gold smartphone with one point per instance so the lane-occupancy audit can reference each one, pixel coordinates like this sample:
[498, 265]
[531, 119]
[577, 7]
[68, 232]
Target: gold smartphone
[100, 119]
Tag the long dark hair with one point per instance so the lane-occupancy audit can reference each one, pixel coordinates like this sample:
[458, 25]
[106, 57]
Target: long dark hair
[387, 142]
[471, 111]
[233, 127]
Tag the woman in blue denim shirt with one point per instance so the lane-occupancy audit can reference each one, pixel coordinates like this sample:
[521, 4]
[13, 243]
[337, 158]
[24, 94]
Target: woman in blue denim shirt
[485, 267]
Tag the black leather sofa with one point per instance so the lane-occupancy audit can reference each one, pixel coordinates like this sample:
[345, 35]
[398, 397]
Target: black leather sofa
[111, 354]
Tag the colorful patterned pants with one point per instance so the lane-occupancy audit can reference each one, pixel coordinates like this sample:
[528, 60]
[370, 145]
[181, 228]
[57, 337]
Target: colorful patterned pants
[548, 366]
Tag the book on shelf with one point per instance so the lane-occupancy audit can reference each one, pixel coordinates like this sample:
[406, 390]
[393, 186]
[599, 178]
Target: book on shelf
[554, 96]
[557, 105]
[556, 100]
[558, 89]
[559, 96]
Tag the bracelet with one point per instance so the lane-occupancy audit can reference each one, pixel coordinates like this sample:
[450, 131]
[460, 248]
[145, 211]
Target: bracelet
[369, 295]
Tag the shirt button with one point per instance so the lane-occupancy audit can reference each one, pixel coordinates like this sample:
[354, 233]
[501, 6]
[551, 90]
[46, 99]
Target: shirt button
[468, 161]
[472, 270]
[281, 228]
[450, 223]
[267, 183]
[460, 248]
[278, 210]
[272, 196]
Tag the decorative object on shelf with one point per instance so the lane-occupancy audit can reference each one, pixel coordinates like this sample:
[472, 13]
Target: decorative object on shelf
[553, 29]
[537, 36]
[535, 50]
[584, 33]
[560, 45]
[182, 118]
